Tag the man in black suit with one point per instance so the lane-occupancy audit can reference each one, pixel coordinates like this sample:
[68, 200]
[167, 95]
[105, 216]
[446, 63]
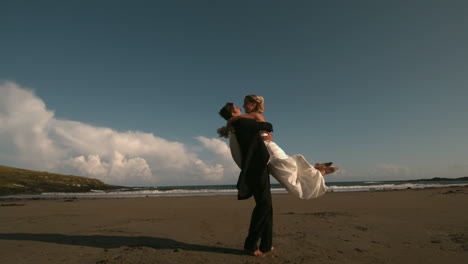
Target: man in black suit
[254, 178]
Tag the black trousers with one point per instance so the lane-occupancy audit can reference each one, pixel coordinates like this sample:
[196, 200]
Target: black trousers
[261, 222]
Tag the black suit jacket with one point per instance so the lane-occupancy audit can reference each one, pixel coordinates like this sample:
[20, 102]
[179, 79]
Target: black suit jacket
[254, 171]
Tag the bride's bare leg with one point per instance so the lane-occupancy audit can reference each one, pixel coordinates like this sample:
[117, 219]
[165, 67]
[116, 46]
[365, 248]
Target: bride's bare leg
[320, 167]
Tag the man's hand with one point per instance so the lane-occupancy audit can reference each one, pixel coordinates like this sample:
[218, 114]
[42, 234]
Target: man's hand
[268, 137]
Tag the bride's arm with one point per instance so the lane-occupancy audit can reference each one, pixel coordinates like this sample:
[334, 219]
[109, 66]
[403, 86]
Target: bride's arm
[257, 116]
[249, 115]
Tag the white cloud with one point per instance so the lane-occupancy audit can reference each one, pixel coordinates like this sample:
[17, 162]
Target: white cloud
[118, 170]
[81, 165]
[31, 137]
[24, 125]
[222, 156]
[216, 146]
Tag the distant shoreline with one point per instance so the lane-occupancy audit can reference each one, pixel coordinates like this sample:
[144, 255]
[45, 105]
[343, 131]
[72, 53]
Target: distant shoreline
[15, 181]
[433, 179]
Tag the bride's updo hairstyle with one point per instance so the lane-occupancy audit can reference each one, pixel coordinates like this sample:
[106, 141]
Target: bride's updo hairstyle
[258, 100]
[226, 111]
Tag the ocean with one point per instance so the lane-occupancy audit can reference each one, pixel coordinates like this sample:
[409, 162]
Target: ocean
[205, 190]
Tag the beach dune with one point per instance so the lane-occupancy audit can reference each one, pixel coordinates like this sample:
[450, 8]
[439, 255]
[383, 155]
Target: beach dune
[409, 226]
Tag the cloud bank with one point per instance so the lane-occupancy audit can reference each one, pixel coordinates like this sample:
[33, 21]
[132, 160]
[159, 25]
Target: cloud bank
[32, 137]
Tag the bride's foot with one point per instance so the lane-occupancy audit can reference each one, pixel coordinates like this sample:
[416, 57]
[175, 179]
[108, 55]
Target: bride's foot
[325, 168]
[322, 166]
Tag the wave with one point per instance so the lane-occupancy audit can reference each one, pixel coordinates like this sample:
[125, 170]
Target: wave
[227, 190]
[383, 187]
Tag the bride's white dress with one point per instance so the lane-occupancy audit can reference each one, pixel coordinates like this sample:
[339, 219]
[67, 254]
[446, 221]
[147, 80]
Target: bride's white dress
[296, 175]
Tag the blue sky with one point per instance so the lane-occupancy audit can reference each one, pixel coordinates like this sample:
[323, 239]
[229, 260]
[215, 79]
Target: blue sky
[379, 87]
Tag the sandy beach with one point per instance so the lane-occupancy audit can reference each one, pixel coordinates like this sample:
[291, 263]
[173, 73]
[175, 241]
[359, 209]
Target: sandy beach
[409, 226]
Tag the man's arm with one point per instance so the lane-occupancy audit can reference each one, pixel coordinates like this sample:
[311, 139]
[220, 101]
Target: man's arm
[248, 127]
[264, 126]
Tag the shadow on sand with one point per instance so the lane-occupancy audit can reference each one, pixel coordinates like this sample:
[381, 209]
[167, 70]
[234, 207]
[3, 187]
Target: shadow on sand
[109, 242]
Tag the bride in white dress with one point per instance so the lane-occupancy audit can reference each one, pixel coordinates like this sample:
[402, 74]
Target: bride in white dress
[294, 173]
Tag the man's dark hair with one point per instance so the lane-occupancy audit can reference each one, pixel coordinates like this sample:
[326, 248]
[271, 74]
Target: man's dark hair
[226, 111]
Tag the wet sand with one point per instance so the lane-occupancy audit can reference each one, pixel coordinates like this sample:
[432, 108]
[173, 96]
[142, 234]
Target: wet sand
[409, 226]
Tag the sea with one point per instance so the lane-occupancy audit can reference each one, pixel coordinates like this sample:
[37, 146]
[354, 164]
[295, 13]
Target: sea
[210, 190]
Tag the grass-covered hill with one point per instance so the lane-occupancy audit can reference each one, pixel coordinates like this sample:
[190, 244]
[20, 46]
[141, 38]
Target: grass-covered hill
[20, 181]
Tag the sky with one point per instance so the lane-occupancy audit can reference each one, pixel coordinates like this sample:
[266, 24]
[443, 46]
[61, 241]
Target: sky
[129, 91]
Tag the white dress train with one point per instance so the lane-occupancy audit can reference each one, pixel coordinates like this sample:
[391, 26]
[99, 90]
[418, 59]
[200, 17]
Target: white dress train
[296, 175]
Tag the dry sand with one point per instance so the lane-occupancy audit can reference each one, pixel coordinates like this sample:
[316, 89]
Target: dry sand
[410, 226]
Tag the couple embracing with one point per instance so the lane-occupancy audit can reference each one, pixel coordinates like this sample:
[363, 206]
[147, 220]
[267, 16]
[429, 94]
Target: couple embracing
[258, 156]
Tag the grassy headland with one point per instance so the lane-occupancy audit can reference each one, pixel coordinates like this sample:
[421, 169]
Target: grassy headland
[21, 181]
